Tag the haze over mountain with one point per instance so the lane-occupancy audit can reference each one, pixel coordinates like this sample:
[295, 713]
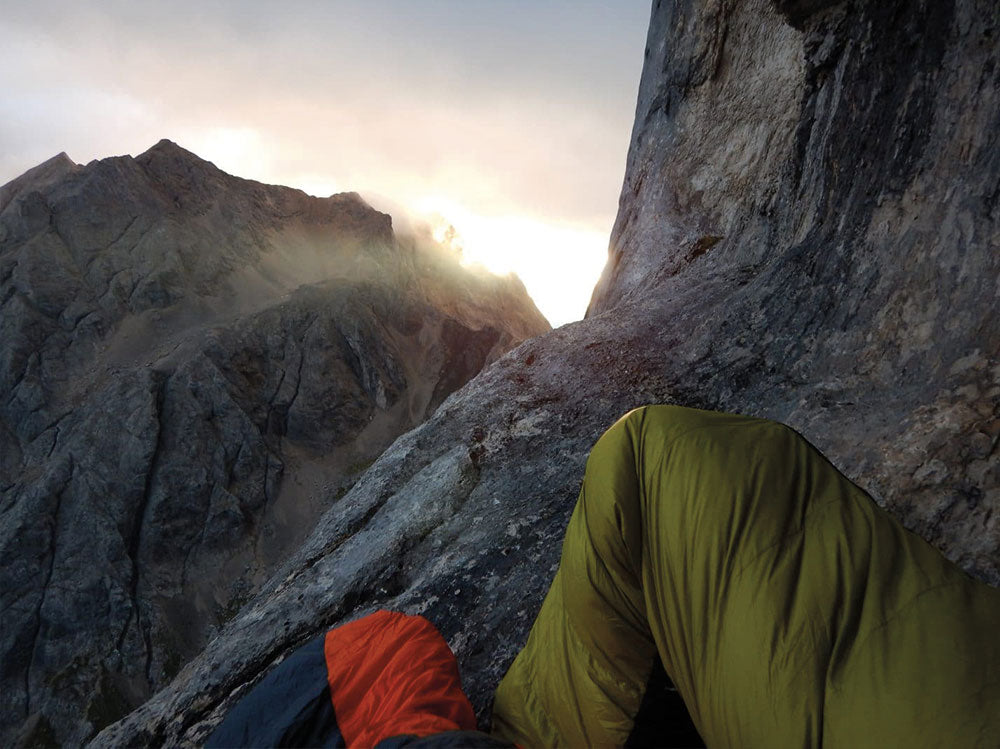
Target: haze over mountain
[484, 112]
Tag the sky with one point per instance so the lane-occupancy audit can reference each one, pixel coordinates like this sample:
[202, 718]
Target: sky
[506, 119]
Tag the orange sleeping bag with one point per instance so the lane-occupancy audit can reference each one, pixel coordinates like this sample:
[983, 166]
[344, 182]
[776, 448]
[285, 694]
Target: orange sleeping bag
[393, 674]
[387, 680]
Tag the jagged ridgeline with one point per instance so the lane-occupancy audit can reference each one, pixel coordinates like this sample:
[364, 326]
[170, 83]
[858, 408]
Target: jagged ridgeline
[193, 368]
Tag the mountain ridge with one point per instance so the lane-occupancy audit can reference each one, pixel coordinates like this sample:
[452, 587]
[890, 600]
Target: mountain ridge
[194, 366]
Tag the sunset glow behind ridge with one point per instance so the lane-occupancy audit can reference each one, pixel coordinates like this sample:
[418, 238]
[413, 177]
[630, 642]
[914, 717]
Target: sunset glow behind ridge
[557, 263]
[508, 121]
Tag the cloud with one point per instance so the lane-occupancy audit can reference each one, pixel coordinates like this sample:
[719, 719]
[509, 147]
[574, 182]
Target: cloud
[510, 108]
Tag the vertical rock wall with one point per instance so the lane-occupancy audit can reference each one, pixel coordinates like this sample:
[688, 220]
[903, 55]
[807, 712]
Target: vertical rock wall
[839, 165]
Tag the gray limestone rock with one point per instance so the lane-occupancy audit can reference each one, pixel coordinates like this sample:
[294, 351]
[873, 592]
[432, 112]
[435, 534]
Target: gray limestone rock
[193, 368]
[808, 230]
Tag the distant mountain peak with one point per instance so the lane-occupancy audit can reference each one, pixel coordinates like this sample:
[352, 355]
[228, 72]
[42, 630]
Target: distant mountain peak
[163, 293]
[48, 171]
[60, 159]
[168, 152]
[165, 146]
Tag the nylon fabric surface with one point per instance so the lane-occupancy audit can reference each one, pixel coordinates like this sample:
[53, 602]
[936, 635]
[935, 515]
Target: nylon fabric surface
[289, 707]
[785, 605]
[392, 674]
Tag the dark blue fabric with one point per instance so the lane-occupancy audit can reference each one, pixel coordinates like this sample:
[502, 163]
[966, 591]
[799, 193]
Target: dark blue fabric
[290, 707]
[446, 740]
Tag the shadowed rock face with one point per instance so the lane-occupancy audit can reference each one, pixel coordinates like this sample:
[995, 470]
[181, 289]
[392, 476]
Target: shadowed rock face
[193, 368]
[808, 230]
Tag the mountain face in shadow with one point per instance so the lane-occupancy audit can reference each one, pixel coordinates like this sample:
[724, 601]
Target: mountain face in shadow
[193, 369]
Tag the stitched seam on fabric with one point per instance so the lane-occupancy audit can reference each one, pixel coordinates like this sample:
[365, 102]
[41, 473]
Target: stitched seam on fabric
[580, 641]
[810, 514]
[529, 686]
[896, 613]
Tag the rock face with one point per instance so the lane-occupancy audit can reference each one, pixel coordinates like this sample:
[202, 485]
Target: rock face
[835, 169]
[193, 369]
[808, 231]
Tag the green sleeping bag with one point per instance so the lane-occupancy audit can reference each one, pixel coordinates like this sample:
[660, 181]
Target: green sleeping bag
[788, 609]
